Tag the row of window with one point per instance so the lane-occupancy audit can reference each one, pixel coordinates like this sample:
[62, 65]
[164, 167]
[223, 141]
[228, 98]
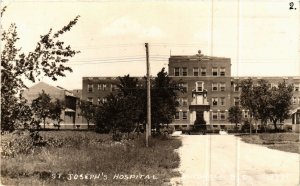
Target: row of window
[221, 115]
[215, 101]
[218, 101]
[99, 100]
[199, 71]
[181, 115]
[102, 86]
[296, 86]
[200, 88]
[215, 115]
[182, 102]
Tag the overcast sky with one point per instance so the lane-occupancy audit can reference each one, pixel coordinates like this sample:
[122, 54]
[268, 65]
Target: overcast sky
[261, 38]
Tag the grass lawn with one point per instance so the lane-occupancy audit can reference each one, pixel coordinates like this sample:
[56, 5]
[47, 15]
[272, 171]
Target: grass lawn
[88, 158]
[288, 142]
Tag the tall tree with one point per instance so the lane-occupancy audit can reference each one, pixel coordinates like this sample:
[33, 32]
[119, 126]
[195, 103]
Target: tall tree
[87, 110]
[47, 59]
[164, 94]
[262, 93]
[248, 99]
[133, 93]
[235, 115]
[56, 108]
[280, 103]
[111, 115]
[41, 106]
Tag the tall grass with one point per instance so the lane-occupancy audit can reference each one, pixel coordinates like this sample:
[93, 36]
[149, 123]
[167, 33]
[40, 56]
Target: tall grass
[92, 154]
[288, 142]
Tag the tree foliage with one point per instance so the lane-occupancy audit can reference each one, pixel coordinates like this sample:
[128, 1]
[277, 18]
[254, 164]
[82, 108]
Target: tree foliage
[122, 112]
[56, 108]
[280, 102]
[87, 110]
[48, 58]
[235, 115]
[164, 96]
[41, 106]
[265, 102]
[127, 110]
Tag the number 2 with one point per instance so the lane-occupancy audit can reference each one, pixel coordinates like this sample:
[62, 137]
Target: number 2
[291, 5]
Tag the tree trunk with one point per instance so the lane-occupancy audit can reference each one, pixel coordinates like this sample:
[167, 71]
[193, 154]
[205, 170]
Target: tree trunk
[250, 124]
[88, 122]
[256, 126]
[44, 122]
[275, 125]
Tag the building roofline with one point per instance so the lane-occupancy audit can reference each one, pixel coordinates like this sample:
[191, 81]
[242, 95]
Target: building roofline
[196, 57]
[271, 77]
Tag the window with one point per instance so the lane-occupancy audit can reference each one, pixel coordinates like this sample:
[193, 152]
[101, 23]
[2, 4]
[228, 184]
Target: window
[237, 101]
[99, 101]
[196, 71]
[102, 86]
[222, 101]
[104, 100]
[184, 86]
[184, 115]
[114, 87]
[215, 71]
[222, 72]
[296, 87]
[214, 101]
[246, 114]
[222, 115]
[294, 100]
[184, 102]
[90, 99]
[222, 86]
[178, 100]
[176, 71]
[203, 71]
[236, 87]
[90, 87]
[215, 87]
[177, 115]
[214, 115]
[184, 71]
[199, 86]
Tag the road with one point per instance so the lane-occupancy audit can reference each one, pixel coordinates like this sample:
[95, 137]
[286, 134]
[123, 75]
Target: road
[225, 160]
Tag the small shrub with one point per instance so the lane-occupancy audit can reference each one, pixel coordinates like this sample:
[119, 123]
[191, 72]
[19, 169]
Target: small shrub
[18, 142]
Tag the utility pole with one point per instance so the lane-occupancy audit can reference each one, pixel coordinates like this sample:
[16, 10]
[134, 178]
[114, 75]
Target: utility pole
[148, 126]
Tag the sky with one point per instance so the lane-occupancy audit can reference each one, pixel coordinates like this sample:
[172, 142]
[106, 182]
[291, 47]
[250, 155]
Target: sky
[261, 38]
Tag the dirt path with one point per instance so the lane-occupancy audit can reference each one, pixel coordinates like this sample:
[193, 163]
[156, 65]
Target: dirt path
[225, 160]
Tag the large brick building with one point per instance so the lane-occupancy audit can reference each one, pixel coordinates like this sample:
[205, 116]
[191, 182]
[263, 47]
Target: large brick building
[210, 90]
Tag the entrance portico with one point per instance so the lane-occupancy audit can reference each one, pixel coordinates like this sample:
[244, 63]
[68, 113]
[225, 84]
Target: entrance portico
[296, 119]
[199, 107]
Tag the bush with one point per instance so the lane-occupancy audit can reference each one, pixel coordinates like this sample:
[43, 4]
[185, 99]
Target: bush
[246, 127]
[18, 142]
